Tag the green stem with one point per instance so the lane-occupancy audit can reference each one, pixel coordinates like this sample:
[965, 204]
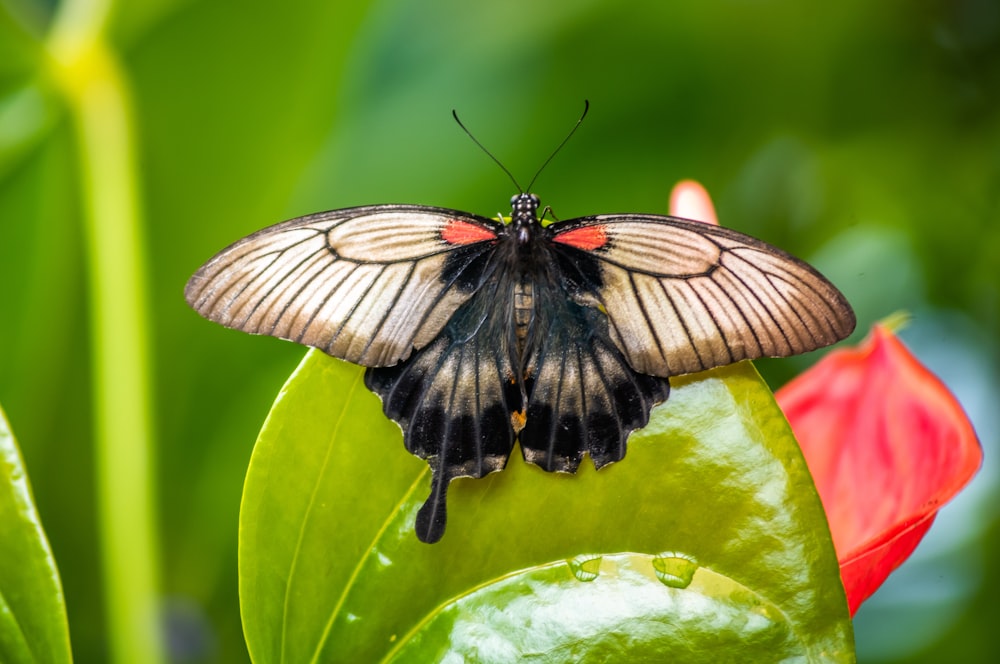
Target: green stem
[88, 72]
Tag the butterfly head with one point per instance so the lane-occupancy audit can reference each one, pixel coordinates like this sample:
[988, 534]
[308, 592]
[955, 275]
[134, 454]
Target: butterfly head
[523, 205]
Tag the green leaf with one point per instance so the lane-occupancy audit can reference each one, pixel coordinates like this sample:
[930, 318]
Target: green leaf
[707, 538]
[32, 611]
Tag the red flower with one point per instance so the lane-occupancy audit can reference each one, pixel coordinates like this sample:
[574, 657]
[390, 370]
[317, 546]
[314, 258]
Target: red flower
[887, 445]
[886, 442]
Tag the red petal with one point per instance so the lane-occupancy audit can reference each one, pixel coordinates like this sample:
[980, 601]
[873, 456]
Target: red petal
[690, 200]
[887, 445]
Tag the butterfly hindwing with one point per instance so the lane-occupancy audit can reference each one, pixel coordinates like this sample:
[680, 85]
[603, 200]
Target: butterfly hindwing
[367, 284]
[583, 395]
[453, 400]
[682, 296]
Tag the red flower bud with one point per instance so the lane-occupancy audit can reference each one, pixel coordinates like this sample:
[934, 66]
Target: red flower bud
[887, 445]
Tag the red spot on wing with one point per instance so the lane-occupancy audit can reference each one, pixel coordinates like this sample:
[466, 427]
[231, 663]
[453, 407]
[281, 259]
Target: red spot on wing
[457, 231]
[587, 238]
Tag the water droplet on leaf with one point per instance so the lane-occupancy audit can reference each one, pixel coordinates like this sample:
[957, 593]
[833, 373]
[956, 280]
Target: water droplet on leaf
[675, 569]
[585, 568]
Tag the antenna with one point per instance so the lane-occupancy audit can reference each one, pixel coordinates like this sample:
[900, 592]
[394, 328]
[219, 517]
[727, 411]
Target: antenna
[586, 107]
[483, 148]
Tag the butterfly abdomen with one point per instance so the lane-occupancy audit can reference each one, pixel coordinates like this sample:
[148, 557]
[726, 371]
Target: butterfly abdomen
[524, 312]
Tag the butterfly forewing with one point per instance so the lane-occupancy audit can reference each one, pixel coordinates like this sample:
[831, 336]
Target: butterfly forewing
[682, 296]
[367, 285]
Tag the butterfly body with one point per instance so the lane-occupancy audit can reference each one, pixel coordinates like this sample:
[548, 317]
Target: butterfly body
[479, 334]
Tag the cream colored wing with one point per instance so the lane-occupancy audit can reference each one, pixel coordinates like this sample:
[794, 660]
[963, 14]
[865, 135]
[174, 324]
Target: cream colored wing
[683, 296]
[367, 285]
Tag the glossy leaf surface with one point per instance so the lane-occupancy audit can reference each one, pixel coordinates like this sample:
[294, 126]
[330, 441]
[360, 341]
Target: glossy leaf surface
[32, 611]
[713, 497]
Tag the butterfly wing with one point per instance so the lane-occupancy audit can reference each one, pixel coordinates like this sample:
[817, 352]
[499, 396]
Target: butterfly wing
[367, 284]
[682, 296]
[453, 398]
[583, 397]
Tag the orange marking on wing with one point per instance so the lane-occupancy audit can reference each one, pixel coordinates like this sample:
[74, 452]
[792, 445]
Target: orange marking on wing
[457, 231]
[517, 420]
[587, 238]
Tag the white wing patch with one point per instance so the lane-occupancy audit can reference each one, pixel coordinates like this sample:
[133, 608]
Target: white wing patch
[388, 237]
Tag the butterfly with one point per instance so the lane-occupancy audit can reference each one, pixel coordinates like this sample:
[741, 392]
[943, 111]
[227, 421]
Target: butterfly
[478, 333]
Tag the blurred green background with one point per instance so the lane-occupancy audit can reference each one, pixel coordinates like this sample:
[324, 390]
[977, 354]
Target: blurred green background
[863, 136]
